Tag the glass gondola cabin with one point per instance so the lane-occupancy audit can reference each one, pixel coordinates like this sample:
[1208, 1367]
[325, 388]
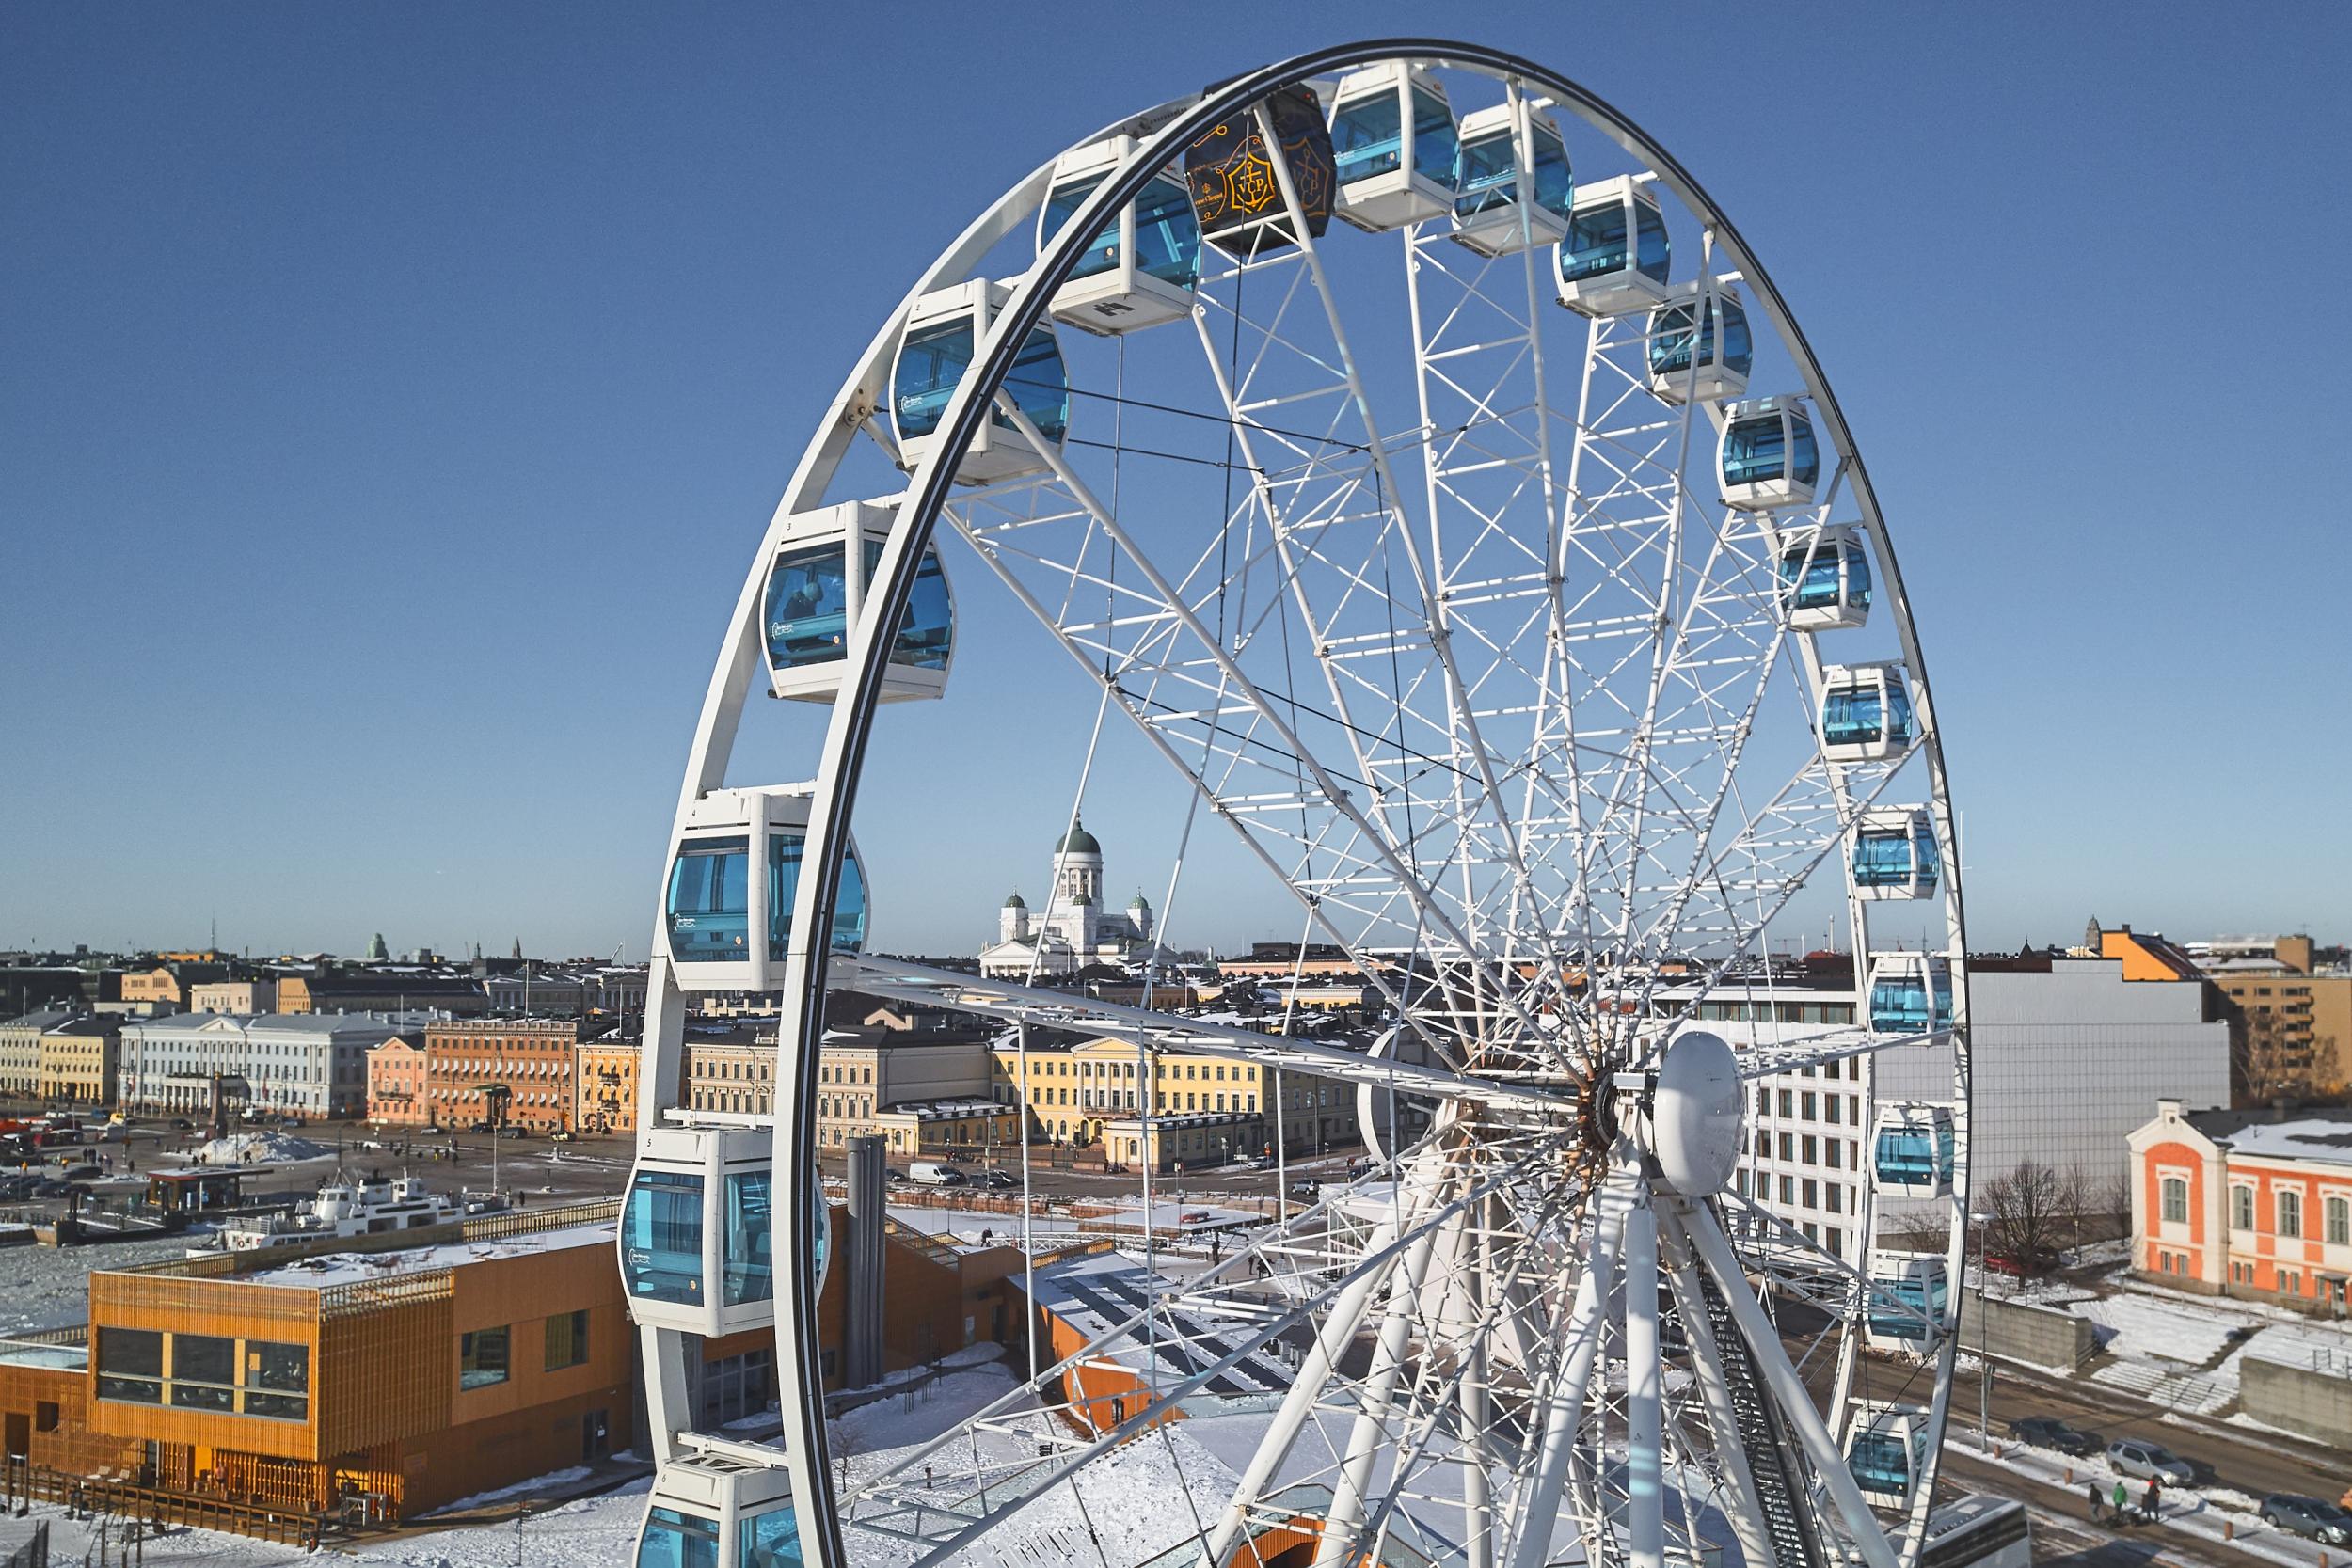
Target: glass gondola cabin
[1700, 348]
[944, 332]
[1894, 854]
[1236, 189]
[734, 871]
[1866, 712]
[816, 589]
[1616, 256]
[1141, 268]
[1768, 457]
[1394, 147]
[1908, 1297]
[1911, 993]
[698, 1230]
[1886, 1449]
[1825, 578]
[1911, 1149]
[1499, 210]
[723, 1506]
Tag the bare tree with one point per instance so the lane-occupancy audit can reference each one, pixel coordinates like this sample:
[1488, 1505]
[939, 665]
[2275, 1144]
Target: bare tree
[2267, 1061]
[2033, 1213]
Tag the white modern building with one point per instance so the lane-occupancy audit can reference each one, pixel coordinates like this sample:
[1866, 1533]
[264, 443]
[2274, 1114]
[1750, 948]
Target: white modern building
[294, 1064]
[2069, 1058]
[1072, 931]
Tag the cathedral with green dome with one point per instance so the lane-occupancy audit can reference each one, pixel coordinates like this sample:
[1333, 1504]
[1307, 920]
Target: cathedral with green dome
[1075, 928]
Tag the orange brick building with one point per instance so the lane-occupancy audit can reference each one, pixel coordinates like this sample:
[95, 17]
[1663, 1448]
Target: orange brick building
[397, 1084]
[535, 1058]
[2245, 1203]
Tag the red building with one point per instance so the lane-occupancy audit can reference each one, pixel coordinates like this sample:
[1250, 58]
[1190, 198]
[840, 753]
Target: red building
[2245, 1203]
[532, 1058]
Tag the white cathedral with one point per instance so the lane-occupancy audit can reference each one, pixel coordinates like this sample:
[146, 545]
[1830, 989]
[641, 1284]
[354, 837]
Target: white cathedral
[1074, 931]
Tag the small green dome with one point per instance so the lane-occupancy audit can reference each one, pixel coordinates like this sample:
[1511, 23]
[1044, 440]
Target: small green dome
[1077, 841]
[1139, 901]
[1015, 902]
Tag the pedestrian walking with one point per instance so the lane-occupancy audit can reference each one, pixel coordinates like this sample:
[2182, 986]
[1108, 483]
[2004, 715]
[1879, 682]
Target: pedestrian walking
[2151, 1499]
[2123, 1499]
[2092, 1490]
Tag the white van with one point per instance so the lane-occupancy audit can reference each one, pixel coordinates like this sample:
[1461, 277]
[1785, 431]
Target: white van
[933, 1173]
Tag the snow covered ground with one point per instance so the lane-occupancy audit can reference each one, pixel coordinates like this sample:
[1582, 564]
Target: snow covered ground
[2141, 1327]
[2213, 1513]
[42, 1287]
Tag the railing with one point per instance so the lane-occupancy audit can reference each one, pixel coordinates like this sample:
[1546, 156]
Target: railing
[24, 1481]
[34, 1553]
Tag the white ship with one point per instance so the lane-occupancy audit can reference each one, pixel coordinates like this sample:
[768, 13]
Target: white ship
[371, 1206]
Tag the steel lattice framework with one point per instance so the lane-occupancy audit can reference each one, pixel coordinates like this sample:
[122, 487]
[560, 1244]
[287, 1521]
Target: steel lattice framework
[1428, 592]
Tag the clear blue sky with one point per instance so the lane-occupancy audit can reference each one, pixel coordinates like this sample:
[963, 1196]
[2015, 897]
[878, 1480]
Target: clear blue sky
[392, 394]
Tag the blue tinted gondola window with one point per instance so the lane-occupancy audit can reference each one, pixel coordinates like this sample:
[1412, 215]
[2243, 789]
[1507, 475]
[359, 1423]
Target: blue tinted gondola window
[1368, 139]
[1595, 243]
[1883, 858]
[1738, 348]
[1923, 853]
[821, 1224]
[1756, 450]
[1435, 143]
[661, 1237]
[927, 630]
[1905, 1157]
[771, 1540]
[1898, 712]
[710, 906]
[747, 1264]
[1555, 189]
[1486, 174]
[1809, 578]
[1857, 575]
[1039, 385]
[1652, 250]
[1853, 716]
[809, 608]
[675, 1540]
[1805, 466]
[1898, 1006]
[1908, 1307]
[1672, 344]
[1062, 205]
[1168, 235]
[1881, 1462]
[930, 364]
[783, 882]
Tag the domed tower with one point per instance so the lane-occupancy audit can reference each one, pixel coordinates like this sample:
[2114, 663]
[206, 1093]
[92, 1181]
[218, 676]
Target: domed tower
[1139, 916]
[1078, 868]
[1013, 925]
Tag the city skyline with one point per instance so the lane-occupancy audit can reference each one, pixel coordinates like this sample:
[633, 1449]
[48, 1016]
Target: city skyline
[428, 418]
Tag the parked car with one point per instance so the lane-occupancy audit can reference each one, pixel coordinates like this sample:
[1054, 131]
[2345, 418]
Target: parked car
[932, 1173]
[2143, 1461]
[479, 1127]
[2314, 1517]
[512, 1133]
[1306, 1186]
[1258, 1161]
[1195, 1216]
[181, 1124]
[2025, 1265]
[2044, 1432]
[999, 1179]
[561, 1135]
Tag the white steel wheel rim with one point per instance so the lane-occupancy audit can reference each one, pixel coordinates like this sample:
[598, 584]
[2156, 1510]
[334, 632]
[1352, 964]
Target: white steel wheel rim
[1562, 1184]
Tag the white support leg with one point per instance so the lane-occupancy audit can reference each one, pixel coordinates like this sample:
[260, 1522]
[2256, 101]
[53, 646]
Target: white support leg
[1646, 1492]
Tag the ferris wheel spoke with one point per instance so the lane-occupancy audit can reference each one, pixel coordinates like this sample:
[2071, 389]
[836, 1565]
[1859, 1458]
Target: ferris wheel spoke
[960, 992]
[1739, 1501]
[1792, 1400]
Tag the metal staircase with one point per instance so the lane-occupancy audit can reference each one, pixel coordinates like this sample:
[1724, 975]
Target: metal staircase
[1781, 1491]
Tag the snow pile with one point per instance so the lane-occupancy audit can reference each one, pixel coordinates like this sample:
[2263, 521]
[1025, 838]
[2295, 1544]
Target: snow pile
[2141, 1328]
[505, 1494]
[255, 1149]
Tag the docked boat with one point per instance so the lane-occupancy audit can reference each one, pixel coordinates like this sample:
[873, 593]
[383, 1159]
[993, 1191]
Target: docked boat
[371, 1206]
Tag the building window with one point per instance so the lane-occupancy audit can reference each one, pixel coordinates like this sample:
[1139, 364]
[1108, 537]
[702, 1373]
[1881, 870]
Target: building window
[2175, 1200]
[2241, 1208]
[131, 1364]
[2290, 1214]
[566, 1340]
[481, 1358]
[2338, 1221]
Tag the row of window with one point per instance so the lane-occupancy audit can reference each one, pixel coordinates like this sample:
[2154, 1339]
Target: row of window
[2287, 1211]
[485, 1356]
[1808, 1106]
[204, 1372]
[1042, 1066]
[1806, 1149]
[1795, 1191]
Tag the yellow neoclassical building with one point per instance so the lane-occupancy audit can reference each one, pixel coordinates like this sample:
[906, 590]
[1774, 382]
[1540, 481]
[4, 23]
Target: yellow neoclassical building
[1072, 1093]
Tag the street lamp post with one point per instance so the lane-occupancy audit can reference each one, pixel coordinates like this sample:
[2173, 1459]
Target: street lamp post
[1982, 1224]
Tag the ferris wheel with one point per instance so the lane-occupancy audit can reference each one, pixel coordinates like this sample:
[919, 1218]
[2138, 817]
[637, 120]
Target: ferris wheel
[1493, 574]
